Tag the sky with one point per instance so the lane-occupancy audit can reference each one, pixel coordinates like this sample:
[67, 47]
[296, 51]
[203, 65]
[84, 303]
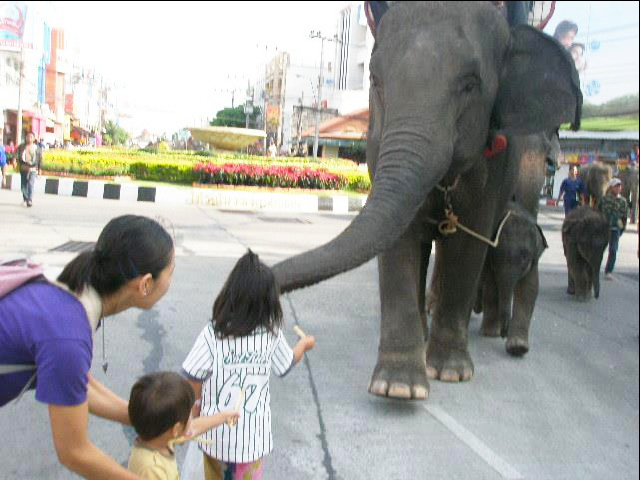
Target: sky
[176, 62]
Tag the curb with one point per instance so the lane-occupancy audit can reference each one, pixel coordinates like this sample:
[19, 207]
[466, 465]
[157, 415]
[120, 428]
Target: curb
[227, 199]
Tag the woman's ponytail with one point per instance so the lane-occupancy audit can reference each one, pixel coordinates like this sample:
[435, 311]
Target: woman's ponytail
[128, 246]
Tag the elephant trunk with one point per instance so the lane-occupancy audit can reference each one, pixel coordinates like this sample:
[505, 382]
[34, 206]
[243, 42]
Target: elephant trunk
[403, 178]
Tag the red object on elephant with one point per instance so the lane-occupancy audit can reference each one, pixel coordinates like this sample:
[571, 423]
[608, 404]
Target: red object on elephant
[498, 144]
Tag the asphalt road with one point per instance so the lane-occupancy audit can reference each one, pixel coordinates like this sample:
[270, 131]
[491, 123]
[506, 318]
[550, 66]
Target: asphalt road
[567, 410]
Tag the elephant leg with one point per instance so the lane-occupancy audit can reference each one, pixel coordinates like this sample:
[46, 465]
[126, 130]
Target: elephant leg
[400, 371]
[490, 322]
[447, 356]
[581, 278]
[524, 301]
[572, 267]
[506, 287]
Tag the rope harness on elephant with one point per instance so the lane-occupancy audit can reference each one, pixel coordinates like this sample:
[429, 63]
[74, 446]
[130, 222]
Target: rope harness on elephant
[451, 224]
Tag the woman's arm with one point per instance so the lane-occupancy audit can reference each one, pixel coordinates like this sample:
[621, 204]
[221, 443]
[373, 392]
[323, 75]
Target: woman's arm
[106, 404]
[75, 451]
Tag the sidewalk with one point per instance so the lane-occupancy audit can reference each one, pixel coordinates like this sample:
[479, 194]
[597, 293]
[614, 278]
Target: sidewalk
[222, 198]
[232, 199]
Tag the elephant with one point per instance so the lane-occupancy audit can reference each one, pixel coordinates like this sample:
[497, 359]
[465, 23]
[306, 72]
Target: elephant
[452, 86]
[595, 176]
[629, 178]
[510, 280]
[585, 235]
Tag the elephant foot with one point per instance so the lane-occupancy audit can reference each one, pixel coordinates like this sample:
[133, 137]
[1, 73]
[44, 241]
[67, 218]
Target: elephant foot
[517, 346]
[448, 364]
[400, 375]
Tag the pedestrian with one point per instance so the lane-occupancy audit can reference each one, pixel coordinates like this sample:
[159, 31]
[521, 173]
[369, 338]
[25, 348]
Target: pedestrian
[615, 209]
[47, 328]
[3, 166]
[29, 156]
[230, 363]
[573, 190]
[160, 408]
[273, 150]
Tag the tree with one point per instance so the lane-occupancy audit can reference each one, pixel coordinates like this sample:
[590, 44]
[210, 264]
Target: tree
[114, 134]
[233, 117]
[625, 105]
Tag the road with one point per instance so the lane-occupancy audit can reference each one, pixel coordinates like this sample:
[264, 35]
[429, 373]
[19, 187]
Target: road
[568, 409]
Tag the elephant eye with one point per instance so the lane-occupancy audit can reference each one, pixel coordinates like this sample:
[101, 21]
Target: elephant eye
[469, 84]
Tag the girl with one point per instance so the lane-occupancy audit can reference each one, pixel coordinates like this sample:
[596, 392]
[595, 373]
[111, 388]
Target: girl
[48, 329]
[233, 357]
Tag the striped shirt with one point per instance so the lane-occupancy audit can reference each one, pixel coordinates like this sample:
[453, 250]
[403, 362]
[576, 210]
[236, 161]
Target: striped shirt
[226, 366]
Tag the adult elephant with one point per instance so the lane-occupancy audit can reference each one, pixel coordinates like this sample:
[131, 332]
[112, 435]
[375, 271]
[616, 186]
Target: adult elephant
[445, 76]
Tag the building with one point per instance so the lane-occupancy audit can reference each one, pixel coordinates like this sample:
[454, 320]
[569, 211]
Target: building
[25, 53]
[54, 92]
[349, 70]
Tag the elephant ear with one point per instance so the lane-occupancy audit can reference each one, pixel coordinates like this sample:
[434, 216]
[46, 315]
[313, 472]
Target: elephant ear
[539, 85]
[374, 12]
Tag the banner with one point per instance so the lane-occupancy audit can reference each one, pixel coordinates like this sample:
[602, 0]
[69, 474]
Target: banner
[13, 17]
[603, 40]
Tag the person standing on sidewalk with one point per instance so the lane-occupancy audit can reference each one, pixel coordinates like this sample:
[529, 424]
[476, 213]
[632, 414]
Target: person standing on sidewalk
[614, 208]
[29, 158]
[573, 190]
[3, 166]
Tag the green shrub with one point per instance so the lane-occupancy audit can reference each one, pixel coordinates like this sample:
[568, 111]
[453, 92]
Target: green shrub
[178, 166]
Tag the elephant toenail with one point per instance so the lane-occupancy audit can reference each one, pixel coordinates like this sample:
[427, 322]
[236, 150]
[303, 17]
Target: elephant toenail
[419, 392]
[378, 387]
[450, 376]
[399, 390]
[432, 373]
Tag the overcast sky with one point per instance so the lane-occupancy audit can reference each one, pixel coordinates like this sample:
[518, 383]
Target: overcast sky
[177, 59]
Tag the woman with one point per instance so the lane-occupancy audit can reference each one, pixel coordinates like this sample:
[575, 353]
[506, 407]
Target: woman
[51, 326]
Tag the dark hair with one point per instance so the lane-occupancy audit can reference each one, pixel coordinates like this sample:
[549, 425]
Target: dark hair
[249, 298]
[563, 28]
[127, 247]
[158, 401]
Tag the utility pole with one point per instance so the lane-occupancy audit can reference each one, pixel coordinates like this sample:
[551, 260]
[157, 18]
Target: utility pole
[20, 86]
[317, 34]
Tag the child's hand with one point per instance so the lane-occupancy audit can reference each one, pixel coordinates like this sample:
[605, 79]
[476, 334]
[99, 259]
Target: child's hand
[231, 417]
[309, 342]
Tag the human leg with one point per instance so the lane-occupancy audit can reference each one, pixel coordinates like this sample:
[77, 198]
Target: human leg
[31, 182]
[217, 470]
[23, 183]
[613, 250]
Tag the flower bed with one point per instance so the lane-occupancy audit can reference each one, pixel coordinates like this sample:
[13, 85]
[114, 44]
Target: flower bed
[270, 176]
[188, 167]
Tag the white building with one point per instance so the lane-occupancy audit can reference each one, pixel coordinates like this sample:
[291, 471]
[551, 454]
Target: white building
[350, 67]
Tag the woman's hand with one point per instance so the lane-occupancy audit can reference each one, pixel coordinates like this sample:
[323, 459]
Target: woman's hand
[106, 404]
[69, 426]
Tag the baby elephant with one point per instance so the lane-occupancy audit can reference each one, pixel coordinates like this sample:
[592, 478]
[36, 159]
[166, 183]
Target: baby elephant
[510, 281]
[585, 235]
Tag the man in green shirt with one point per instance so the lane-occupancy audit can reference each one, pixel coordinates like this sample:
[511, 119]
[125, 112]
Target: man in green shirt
[614, 208]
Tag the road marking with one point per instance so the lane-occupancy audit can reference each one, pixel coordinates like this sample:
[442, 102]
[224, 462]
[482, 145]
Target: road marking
[474, 443]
